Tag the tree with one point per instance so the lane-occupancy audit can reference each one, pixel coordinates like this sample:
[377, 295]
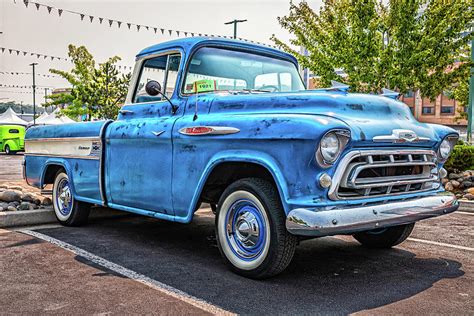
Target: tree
[403, 45]
[96, 92]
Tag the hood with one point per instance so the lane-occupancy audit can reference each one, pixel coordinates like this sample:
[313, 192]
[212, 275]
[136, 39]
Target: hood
[365, 115]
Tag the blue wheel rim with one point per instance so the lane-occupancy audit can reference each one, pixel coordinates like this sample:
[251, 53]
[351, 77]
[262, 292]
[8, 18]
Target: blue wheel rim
[64, 198]
[246, 230]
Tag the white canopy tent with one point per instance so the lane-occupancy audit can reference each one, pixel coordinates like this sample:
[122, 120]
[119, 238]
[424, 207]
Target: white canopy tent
[9, 117]
[53, 119]
[41, 118]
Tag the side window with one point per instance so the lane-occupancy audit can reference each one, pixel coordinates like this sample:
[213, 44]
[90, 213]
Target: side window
[164, 70]
[173, 66]
[282, 81]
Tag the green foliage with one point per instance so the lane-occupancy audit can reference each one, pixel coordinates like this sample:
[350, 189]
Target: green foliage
[461, 159]
[402, 45]
[96, 92]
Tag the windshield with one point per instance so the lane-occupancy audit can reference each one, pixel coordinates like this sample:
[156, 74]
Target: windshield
[216, 69]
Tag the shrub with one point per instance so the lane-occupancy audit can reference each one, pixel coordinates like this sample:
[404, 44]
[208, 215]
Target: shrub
[461, 159]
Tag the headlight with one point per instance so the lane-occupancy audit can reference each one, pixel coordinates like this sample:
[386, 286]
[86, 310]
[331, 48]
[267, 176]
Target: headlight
[331, 146]
[446, 147]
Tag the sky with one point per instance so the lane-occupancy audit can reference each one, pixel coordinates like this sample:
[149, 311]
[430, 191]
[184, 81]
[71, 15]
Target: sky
[32, 30]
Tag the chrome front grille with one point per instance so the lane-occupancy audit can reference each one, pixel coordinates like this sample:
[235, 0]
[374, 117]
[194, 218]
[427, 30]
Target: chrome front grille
[364, 174]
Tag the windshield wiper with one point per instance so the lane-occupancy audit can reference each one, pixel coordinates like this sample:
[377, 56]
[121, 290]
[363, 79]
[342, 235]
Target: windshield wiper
[256, 90]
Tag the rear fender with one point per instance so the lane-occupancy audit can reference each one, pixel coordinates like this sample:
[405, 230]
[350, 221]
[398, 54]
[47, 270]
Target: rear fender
[65, 165]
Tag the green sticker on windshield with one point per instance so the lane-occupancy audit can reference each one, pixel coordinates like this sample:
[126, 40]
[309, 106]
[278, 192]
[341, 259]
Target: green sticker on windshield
[204, 85]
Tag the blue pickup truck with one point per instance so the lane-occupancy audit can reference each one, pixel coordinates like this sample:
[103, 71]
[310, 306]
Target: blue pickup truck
[230, 123]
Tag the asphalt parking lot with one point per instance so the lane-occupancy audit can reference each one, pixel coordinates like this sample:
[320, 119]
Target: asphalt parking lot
[432, 272]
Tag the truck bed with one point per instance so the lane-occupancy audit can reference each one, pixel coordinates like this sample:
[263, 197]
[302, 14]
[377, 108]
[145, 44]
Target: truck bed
[77, 147]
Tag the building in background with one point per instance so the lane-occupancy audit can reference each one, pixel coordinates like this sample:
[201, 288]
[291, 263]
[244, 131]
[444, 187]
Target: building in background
[443, 110]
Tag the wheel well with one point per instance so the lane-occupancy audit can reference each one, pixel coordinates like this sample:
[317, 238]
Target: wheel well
[50, 173]
[228, 172]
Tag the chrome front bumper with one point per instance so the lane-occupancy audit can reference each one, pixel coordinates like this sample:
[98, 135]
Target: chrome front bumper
[347, 220]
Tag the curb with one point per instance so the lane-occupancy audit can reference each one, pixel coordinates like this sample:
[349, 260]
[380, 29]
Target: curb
[46, 216]
[466, 206]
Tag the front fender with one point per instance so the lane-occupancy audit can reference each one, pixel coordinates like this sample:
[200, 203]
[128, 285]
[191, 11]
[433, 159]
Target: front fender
[261, 158]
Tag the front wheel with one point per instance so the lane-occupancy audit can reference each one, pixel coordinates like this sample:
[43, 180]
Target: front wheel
[385, 237]
[68, 211]
[250, 229]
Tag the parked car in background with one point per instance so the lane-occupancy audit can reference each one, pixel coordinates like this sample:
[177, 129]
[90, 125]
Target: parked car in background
[12, 138]
[229, 123]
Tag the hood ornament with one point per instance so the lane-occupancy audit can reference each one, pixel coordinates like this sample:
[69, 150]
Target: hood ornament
[390, 94]
[401, 136]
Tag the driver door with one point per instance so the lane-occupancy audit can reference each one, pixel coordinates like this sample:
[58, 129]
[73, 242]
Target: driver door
[138, 145]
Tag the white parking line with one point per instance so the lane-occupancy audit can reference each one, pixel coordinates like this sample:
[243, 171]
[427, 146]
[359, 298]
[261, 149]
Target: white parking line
[166, 289]
[435, 243]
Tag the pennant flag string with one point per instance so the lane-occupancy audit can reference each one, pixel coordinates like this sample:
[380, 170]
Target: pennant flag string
[18, 73]
[22, 87]
[138, 27]
[11, 50]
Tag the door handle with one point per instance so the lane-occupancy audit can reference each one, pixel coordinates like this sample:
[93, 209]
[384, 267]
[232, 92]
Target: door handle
[157, 133]
[126, 112]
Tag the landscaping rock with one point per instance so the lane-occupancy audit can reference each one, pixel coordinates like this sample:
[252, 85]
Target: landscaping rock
[2, 209]
[24, 206]
[3, 186]
[15, 187]
[9, 196]
[470, 191]
[444, 181]
[449, 186]
[47, 201]
[453, 176]
[455, 184]
[11, 208]
[28, 197]
[467, 184]
[469, 196]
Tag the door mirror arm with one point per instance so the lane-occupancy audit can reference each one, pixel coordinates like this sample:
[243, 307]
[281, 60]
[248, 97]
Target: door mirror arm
[153, 88]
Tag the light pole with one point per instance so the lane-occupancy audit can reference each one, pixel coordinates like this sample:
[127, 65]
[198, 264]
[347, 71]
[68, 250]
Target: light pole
[235, 25]
[470, 106]
[45, 97]
[34, 93]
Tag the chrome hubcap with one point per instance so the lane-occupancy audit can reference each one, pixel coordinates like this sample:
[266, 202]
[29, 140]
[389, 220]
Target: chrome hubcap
[245, 230]
[64, 197]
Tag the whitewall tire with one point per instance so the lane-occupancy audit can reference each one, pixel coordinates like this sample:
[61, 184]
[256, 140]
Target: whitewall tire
[250, 229]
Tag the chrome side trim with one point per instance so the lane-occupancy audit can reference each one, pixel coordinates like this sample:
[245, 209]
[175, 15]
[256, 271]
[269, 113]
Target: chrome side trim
[329, 220]
[62, 139]
[63, 156]
[216, 130]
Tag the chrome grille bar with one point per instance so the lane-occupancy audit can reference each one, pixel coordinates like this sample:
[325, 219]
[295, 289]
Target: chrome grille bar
[371, 173]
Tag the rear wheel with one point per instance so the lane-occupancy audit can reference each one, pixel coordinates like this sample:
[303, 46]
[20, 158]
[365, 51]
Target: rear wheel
[250, 229]
[8, 151]
[385, 237]
[68, 211]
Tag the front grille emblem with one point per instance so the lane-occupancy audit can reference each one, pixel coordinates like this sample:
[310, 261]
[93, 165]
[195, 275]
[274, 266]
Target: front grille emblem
[400, 136]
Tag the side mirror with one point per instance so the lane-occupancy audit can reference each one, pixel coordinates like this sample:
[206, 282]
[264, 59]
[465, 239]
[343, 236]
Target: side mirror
[153, 88]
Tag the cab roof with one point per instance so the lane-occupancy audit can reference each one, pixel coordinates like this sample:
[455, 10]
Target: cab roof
[189, 43]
